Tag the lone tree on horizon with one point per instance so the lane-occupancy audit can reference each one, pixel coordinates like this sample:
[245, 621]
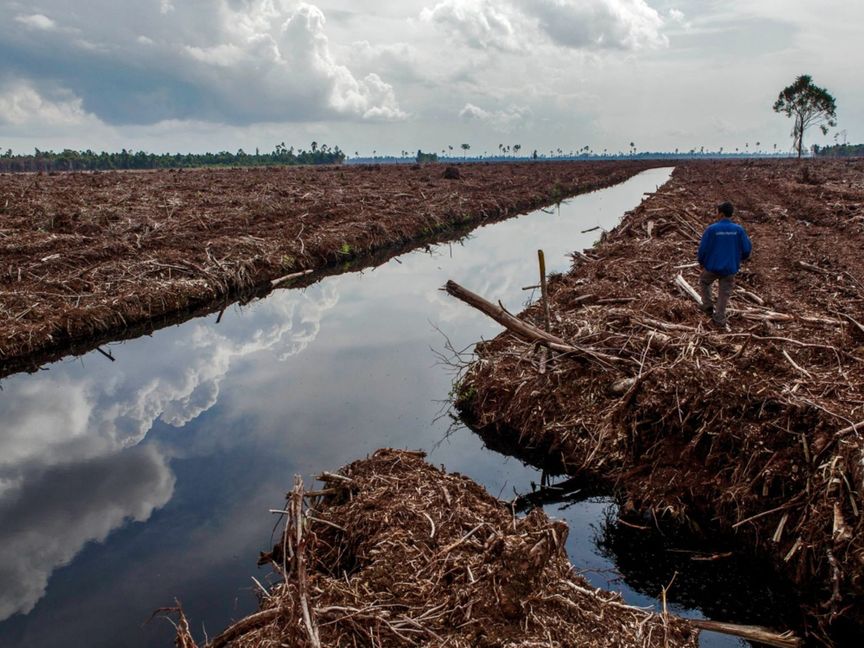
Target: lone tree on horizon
[810, 105]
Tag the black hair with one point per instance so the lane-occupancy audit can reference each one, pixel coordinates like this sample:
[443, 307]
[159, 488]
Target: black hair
[726, 209]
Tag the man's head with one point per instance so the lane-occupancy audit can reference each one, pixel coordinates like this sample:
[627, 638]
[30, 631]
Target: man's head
[725, 209]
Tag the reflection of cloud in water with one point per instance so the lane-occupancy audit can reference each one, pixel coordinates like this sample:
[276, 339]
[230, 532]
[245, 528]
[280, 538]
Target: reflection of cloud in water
[67, 414]
[187, 383]
[52, 514]
[69, 471]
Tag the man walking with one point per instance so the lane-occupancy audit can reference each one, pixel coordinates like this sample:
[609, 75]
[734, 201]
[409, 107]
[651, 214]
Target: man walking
[723, 247]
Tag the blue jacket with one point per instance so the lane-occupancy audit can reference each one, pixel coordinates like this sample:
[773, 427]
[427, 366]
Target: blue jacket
[723, 247]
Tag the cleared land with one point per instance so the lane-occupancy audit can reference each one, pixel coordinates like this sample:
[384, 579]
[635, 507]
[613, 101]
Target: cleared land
[395, 552]
[85, 257]
[750, 431]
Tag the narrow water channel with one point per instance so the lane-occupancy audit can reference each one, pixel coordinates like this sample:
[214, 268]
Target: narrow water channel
[127, 484]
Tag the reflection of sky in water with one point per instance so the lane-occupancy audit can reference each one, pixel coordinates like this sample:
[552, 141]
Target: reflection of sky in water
[196, 432]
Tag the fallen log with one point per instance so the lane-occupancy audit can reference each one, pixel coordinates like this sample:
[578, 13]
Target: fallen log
[751, 633]
[524, 330]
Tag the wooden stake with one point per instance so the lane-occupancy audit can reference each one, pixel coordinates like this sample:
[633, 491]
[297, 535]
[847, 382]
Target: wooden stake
[543, 293]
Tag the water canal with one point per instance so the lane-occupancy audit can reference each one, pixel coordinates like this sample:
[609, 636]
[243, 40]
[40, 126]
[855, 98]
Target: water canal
[127, 484]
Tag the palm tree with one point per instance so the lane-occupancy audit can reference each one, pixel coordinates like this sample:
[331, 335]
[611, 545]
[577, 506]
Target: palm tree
[465, 148]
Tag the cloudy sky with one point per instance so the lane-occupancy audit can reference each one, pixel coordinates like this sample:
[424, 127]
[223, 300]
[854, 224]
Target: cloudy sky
[177, 75]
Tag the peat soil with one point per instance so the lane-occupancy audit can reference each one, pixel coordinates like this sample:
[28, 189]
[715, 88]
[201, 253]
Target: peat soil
[87, 257]
[752, 432]
[395, 552]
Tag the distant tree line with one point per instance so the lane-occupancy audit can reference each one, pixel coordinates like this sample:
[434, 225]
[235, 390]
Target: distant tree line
[839, 150]
[69, 160]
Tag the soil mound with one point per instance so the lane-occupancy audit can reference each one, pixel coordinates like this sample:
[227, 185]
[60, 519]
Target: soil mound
[754, 431]
[394, 552]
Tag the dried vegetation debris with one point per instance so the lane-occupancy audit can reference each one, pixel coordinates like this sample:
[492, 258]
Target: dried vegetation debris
[395, 552]
[82, 254]
[756, 429]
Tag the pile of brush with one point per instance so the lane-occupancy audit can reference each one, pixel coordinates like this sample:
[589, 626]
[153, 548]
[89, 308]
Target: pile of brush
[395, 552]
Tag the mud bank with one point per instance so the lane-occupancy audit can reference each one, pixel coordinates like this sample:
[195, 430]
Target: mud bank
[755, 431]
[87, 256]
[395, 552]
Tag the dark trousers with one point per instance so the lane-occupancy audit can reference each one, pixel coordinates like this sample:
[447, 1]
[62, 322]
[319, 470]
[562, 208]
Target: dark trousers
[725, 283]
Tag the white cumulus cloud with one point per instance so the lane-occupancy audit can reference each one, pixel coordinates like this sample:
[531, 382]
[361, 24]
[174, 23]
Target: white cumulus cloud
[599, 24]
[271, 61]
[23, 105]
[514, 25]
[481, 23]
[393, 60]
[222, 61]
